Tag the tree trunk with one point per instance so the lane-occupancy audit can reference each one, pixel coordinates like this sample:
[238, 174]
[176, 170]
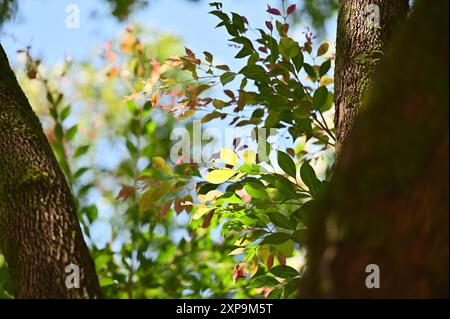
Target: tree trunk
[363, 29]
[388, 201]
[39, 232]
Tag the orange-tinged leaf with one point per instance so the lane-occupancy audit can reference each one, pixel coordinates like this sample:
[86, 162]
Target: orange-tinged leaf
[154, 99]
[323, 48]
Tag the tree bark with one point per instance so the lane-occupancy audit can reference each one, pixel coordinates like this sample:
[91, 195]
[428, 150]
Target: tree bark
[388, 201]
[39, 230]
[363, 29]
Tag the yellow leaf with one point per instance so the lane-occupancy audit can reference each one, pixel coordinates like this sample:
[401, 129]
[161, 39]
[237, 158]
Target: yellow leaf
[237, 251]
[220, 176]
[325, 80]
[154, 99]
[242, 241]
[228, 156]
[263, 253]
[210, 196]
[253, 266]
[160, 163]
[322, 49]
[153, 195]
[201, 211]
[249, 156]
[146, 201]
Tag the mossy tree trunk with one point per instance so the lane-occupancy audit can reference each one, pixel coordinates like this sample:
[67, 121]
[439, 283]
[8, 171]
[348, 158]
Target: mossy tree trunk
[39, 231]
[363, 29]
[388, 201]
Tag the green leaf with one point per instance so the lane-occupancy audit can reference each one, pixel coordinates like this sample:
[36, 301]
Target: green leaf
[309, 178]
[328, 104]
[263, 281]
[285, 188]
[70, 134]
[238, 21]
[227, 77]
[324, 67]
[276, 238]
[65, 112]
[255, 72]
[286, 249]
[220, 176]
[310, 71]
[275, 294]
[104, 282]
[131, 148]
[288, 48]
[223, 67]
[256, 190]
[286, 164]
[210, 116]
[80, 172]
[300, 236]
[320, 98]
[81, 151]
[59, 130]
[280, 220]
[283, 271]
[298, 61]
[218, 104]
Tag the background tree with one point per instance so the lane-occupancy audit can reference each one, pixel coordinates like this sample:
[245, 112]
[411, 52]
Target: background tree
[388, 200]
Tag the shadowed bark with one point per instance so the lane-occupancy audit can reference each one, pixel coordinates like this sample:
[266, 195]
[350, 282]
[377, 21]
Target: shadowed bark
[39, 231]
[388, 200]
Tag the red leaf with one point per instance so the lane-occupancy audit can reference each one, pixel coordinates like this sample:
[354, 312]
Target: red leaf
[177, 206]
[245, 20]
[269, 25]
[263, 49]
[270, 262]
[274, 11]
[207, 220]
[125, 192]
[164, 210]
[282, 260]
[238, 272]
[291, 9]
[286, 27]
[230, 94]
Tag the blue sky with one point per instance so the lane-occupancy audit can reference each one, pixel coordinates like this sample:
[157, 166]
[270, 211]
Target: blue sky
[41, 24]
